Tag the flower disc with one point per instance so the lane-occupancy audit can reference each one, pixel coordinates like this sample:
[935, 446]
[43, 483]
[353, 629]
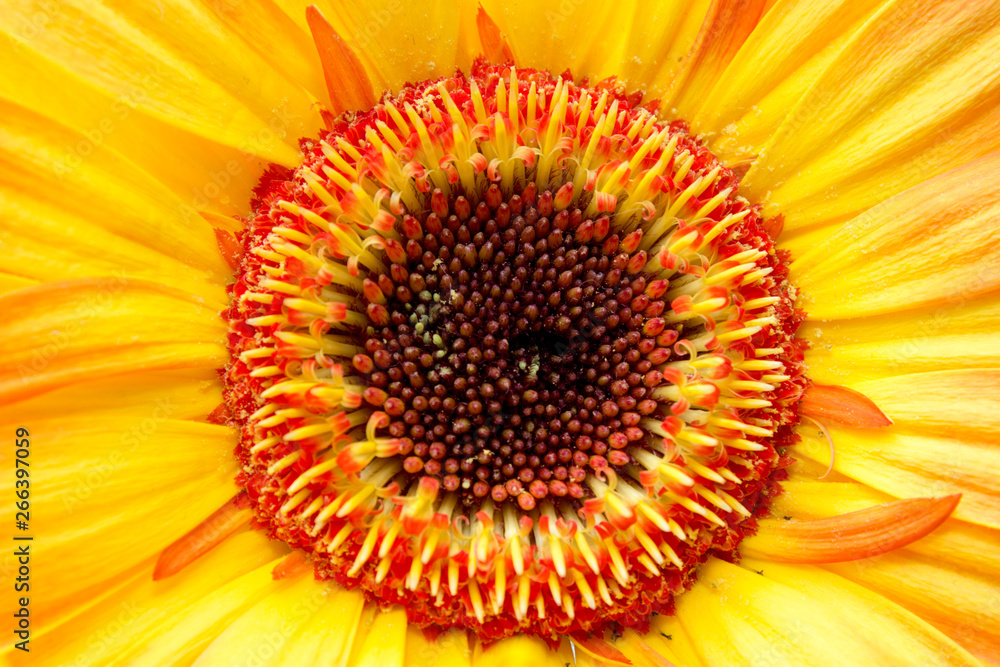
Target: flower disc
[511, 353]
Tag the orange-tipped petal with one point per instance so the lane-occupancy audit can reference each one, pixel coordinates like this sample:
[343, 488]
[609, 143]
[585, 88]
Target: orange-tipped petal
[229, 248]
[226, 222]
[291, 565]
[219, 415]
[843, 406]
[726, 27]
[204, 537]
[496, 48]
[862, 534]
[596, 647]
[347, 81]
[639, 649]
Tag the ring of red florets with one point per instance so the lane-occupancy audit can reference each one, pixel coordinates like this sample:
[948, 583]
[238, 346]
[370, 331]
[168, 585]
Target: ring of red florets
[511, 353]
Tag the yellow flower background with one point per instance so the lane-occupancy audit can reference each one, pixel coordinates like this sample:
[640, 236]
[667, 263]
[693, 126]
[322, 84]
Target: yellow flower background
[132, 130]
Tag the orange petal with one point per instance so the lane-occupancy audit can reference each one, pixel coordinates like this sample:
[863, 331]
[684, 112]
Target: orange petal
[843, 406]
[862, 534]
[647, 649]
[596, 647]
[226, 222]
[219, 415]
[346, 79]
[726, 27]
[496, 48]
[229, 248]
[204, 537]
[292, 565]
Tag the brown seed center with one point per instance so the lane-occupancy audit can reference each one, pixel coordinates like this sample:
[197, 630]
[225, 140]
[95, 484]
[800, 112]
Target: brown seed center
[511, 347]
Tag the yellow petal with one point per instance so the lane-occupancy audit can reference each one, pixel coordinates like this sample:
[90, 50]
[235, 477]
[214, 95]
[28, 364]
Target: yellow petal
[963, 604]
[196, 627]
[960, 404]
[172, 619]
[397, 41]
[60, 333]
[665, 645]
[450, 649]
[520, 650]
[643, 44]
[202, 173]
[959, 316]
[173, 61]
[727, 25]
[104, 189]
[328, 637]
[848, 364]
[183, 395]
[821, 619]
[913, 94]
[115, 492]
[263, 632]
[908, 465]
[276, 37]
[12, 283]
[383, 642]
[774, 63]
[928, 246]
[555, 38]
[46, 243]
[811, 499]
[800, 241]
[659, 38]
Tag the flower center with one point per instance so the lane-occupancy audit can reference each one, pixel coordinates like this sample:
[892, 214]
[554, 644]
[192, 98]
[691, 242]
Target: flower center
[511, 353]
[514, 346]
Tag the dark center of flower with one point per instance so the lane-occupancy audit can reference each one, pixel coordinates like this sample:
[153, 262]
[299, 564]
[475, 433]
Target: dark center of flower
[513, 344]
[511, 353]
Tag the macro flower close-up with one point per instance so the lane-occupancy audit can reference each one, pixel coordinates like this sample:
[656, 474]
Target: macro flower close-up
[548, 333]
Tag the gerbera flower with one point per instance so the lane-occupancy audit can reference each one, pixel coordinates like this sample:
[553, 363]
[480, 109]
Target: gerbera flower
[574, 333]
